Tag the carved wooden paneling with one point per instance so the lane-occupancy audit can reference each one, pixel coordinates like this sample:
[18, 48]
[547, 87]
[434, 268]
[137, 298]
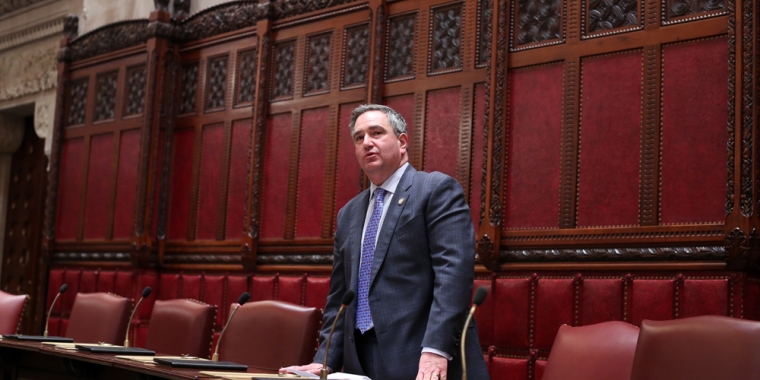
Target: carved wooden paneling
[216, 83]
[686, 10]
[105, 96]
[283, 63]
[355, 57]
[483, 24]
[400, 51]
[317, 65]
[537, 22]
[604, 17]
[77, 101]
[188, 88]
[446, 25]
[246, 72]
[135, 91]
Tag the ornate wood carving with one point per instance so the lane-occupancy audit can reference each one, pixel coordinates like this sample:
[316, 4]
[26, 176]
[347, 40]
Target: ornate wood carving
[220, 19]
[135, 91]
[650, 139]
[71, 26]
[378, 66]
[706, 253]
[112, 37]
[737, 249]
[555, 238]
[746, 201]
[216, 83]
[399, 61]
[256, 154]
[246, 82]
[355, 57]
[77, 101]
[202, 258]
[500, 118]
[485, 250]
[731, 145]
[681, 8]
[485, 13]
[317, 65]
[283, 62]
[446, 38]
[537, 21]
[189, 87]
[290, 259]
[569, 152]
[181, 9]
[605, 15]
[90, 256]
[290, 8]
[105, 96]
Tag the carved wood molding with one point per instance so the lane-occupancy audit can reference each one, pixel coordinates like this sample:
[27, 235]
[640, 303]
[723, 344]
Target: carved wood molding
[731, 144]
[109, 38]
[202, 258]
[701, 253]
[90, 256]
[289, 259]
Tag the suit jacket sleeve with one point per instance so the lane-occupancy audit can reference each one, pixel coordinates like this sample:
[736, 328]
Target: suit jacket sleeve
[451, 240]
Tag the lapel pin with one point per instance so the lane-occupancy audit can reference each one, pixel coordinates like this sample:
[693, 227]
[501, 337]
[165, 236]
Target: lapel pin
[401, 201]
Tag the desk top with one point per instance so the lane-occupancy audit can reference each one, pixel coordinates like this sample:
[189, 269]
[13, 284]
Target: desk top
[26, 357]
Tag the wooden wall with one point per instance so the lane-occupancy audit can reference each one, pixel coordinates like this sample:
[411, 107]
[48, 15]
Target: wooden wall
[607, 152]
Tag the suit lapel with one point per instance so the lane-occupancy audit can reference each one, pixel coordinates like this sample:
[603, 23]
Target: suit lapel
[358, 214]
[391, 220]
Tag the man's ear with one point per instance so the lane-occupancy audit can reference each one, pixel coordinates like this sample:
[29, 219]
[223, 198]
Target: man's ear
[403, 140]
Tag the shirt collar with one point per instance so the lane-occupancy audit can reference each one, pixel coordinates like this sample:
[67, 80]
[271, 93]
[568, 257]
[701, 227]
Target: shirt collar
[391, 183]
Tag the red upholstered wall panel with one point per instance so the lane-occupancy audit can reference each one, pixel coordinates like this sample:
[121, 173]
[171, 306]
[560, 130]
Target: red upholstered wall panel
[143, 280]
[751, 310]
[404, 105]
[478, 147]
[182, 173]
[213, 294]
[70, 278]
[652, 299]
[98, 187]
[511, 310]
[262, 288]
[532, 167]
[694, 98]
[316, 291]
[69, 189]
[169, 286]
[608, 174]
[191, 286]
[275, 184]
[106, 280]
[88, 282]
[125, 284]
[238, 178]
[484, 313]
[348, 173]
[126, 184]
[508, 369]
[554, 306]
[703, 297]
[289, 289]
[601, 301]
[210, 180]
[55, 280]
[311, 172]
[442, 122]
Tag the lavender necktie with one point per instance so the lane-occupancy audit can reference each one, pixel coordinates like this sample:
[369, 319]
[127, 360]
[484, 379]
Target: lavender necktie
[363, 316]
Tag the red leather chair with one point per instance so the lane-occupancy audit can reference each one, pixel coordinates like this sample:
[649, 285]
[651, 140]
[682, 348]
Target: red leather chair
[99, 317]
[708, 347]
[11, 309]
[271, 334]
[603, 351]
[181, 326]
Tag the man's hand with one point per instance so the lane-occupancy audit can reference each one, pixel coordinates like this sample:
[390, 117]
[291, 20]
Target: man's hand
[432, 367]
[313, 368]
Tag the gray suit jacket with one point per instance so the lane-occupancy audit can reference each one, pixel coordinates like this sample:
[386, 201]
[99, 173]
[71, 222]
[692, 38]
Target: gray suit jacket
[421, 280]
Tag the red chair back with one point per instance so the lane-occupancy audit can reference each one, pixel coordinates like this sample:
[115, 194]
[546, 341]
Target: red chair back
[11, 309]
[99, 317]
[181, 326]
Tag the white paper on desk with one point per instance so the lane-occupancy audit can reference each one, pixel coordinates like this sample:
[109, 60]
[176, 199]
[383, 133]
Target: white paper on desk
[346, 376]
[66, 346]
[149, 359]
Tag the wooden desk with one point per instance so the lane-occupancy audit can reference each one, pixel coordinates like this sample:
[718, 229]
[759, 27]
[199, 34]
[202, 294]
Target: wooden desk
[33, 361]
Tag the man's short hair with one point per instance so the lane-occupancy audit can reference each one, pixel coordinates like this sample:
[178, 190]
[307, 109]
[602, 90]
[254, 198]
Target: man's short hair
[394, 118]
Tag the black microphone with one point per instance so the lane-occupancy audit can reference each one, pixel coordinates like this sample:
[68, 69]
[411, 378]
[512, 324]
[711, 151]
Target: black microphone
[480, 296]
[145, 294]
[348, 297]
[62, 290]
[241, 301]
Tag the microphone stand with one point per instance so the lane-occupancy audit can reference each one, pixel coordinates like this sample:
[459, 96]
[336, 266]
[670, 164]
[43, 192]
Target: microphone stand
[347, 298]
[63, 289]
[241, 301]
[145, 293]
[480, 295]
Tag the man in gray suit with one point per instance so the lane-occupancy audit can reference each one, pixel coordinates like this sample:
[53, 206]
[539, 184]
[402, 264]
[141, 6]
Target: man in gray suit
[406, 246]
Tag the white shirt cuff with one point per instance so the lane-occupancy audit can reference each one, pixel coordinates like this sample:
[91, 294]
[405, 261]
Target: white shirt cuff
[437, 352]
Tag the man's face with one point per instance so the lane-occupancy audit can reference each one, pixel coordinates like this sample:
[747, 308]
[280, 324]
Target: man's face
[379, 151]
